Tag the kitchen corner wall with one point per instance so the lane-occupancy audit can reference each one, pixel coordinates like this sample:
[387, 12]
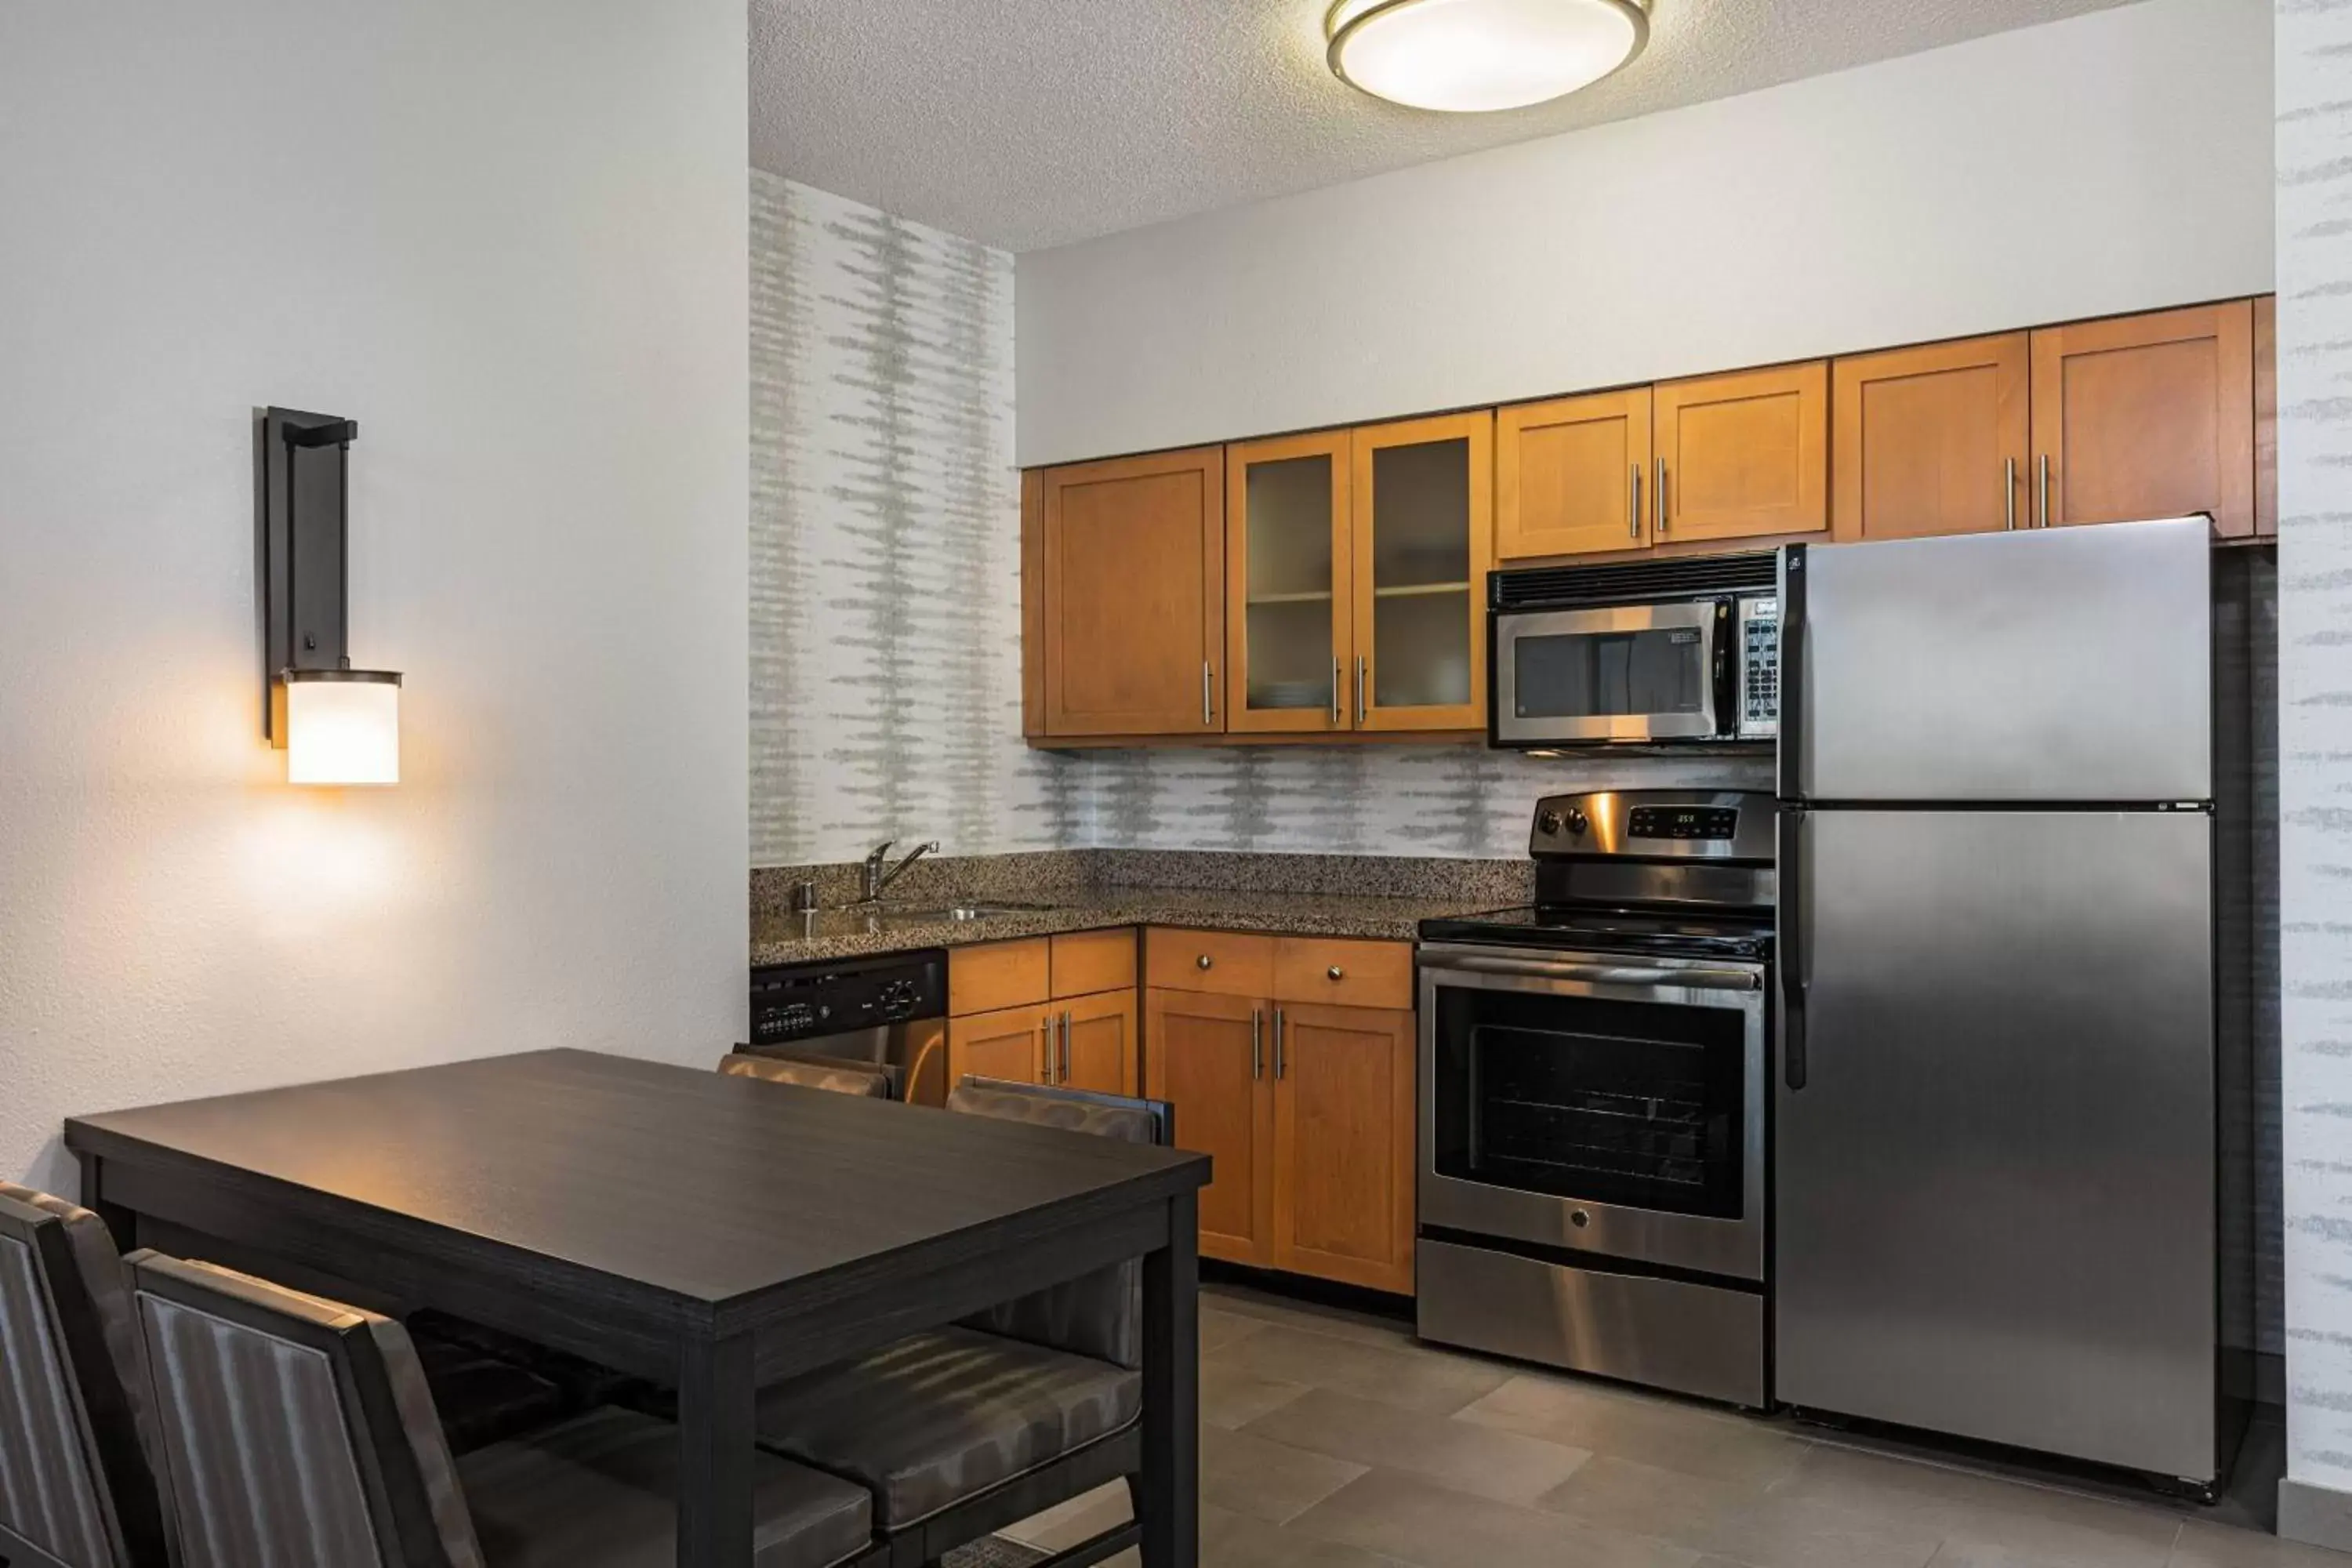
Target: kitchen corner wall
[2314, 44]
[886, 601]
[886, 544]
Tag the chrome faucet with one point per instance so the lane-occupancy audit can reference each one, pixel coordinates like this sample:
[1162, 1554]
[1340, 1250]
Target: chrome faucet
[878, 879]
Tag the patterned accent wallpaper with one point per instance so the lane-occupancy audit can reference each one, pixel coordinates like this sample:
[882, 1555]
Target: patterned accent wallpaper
[2313, 42]
[886, 562]
[886, 618]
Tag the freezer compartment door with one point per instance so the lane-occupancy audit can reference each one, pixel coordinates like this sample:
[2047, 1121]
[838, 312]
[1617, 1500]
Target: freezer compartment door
[2068, 665]
[1994, 1198]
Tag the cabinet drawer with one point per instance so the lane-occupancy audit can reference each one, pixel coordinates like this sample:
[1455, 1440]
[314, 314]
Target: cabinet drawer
[998, 974]
[1344, 974]
[1232, 963]
[1086, 961]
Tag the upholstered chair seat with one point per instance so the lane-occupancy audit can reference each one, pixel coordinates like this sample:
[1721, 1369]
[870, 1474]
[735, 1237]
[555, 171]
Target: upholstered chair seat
[77, 1481]
[835, 1077]
[483, 1398]
[301, 1434]
[939, 1417]
[938, 1420]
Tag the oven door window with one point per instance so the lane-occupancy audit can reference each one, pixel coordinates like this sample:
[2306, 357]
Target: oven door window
[1634, 1104]
[1610, 674]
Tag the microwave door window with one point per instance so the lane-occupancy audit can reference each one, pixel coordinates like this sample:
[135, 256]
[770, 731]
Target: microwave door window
[1595, 675]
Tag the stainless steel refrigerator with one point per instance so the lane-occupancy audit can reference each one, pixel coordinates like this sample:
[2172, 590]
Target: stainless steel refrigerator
[1994, 1161]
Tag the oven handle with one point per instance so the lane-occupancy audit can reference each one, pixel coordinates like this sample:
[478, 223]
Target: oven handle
[1604, 974]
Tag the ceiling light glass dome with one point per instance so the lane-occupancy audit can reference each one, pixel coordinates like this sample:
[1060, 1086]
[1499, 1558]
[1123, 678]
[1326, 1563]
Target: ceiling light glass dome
[1471, 57]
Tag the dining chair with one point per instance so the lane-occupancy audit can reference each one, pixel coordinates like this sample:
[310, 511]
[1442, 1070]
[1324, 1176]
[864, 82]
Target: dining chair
[873, 1080]
[299, 1433]
[960, 1431]
[78, 1485]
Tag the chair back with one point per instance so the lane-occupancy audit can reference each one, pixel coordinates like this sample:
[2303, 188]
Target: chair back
[298, 1431]
[77, 1482]
[837, 1075]
[1098, 1314]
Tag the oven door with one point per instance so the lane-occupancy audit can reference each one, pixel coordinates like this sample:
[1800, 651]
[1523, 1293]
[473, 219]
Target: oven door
[1599, 1104]
[1624, 672]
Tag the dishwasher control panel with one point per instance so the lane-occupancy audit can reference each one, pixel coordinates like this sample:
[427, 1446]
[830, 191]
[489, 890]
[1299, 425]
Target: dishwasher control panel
[798, 1002]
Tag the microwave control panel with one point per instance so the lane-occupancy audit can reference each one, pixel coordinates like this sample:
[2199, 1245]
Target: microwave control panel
[1760, 668]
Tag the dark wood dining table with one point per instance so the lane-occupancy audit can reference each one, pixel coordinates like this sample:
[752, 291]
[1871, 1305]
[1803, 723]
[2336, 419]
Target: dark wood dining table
[715, 1233]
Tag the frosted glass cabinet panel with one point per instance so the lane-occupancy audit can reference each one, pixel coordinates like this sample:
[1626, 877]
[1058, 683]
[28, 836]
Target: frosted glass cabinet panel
[1423, 515]
[1288, 619]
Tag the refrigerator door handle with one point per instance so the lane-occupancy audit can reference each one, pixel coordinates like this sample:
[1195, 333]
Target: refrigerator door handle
[1789, 858]
[1790, 674]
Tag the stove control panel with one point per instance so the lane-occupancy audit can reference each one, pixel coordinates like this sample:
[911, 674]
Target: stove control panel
[1712, 823]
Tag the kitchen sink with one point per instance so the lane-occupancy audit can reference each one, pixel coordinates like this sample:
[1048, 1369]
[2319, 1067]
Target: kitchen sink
[952, 913]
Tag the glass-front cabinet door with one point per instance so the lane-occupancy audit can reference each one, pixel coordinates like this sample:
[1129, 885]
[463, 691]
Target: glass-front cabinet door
[1289, 623]
[1423, 497]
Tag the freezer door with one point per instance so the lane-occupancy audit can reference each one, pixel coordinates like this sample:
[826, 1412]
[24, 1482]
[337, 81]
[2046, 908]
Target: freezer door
[2067, 665]
[1994, 1198]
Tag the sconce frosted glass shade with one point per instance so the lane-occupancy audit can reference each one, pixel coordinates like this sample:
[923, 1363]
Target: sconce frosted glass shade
[342, 727]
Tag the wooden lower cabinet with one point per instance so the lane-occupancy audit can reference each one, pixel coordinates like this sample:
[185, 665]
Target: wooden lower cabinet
[1096, 1036]
[1309, 1111]
[1343, 1144]
[1205, 1054]
[1009, 1043]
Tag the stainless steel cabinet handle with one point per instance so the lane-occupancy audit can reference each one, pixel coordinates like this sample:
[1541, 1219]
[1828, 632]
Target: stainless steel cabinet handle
[1045, 1048]
[1339, 694]
[1066, 1048]
[1336, 972]
[1281, 1057]
[2044, 507]
[1208, 693]
[1658, 496]
[2009, 493]
[1205, 961]
[1257, 1042]
[1633, 506]
[1363, 709]
[1599, 974]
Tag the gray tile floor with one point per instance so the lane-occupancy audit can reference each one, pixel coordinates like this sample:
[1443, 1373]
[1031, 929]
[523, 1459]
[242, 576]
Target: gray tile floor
[1334, 1441]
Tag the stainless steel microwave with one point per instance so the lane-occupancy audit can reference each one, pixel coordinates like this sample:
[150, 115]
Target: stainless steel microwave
[1672, 653]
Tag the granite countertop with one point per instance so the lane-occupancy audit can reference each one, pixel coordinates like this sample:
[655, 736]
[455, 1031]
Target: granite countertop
[782, 938]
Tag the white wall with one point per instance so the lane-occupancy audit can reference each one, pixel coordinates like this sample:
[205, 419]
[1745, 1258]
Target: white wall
[2315, 637]
[2109, 163]
[508, 239]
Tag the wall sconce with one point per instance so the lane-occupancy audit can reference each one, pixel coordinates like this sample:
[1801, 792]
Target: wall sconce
[336, 725]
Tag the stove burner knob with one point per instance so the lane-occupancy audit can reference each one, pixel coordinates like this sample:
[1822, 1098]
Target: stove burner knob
[1578, 822]
[1549, 822]
[1580, 1219]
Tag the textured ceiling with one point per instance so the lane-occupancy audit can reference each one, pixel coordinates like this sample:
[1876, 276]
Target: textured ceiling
[1027, 123]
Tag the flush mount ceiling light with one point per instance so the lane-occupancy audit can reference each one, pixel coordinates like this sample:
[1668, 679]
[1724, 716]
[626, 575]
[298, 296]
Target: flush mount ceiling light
[1472, 56]
[337, 725]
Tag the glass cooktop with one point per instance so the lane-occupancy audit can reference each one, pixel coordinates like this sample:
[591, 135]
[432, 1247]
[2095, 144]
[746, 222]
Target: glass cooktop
[1577, 927]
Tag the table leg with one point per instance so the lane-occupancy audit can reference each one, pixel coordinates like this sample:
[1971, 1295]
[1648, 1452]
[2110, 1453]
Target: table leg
[1168, 1501]
[121, 1223]
[715, 1399]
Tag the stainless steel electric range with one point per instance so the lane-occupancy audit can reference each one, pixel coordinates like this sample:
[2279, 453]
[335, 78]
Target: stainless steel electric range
[1593, 1082]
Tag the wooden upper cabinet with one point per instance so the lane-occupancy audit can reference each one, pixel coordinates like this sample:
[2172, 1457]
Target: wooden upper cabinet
[1207, 1057]
[1343, 1145]
[1422, 495]
[1131, 572]
[1931, 440]
[1289, 620]
[1571, 475]
[2147, 416]
[1743, 455]
[2266, 417]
